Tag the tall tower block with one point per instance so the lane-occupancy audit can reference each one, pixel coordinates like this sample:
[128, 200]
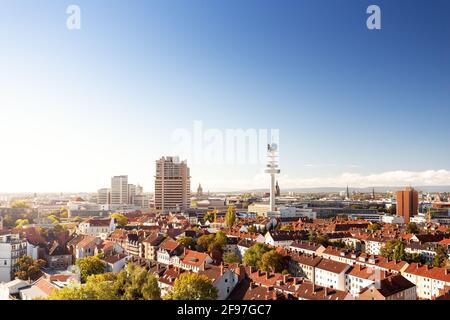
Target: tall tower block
[272, 169]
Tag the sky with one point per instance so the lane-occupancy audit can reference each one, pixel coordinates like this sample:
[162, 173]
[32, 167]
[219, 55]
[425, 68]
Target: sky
[352, 106]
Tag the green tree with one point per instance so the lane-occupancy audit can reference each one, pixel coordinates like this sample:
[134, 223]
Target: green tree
[131, 283]
[58, 227]
[209, 216]
[440, 259]
[54, 219]
[286, 227]
[19, 204]
[20, 223]
[414, 257]
[77, 219]
[392, 210]
[322, 239]
[272, 261]
[253, 255]
[192, 286]
[220, 238]
[374, 227]
[230, 217]
[27, 268]
[399, 252]
[188, 242]
[120, 219]
[212, 242]
[89, 266]
[231, 257]
[136, 283]
[64, 213]
[204, 242]
[88, 291]
[412, 228]
[150, 290]
[394, 249]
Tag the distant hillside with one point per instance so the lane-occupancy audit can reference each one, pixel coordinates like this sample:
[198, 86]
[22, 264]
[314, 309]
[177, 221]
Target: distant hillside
[339, 189]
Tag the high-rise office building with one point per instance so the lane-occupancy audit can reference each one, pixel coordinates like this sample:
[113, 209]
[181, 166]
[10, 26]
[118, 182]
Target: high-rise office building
[172, 184]
[407, 203]
[131, 193]
[104, 196]
[119, 190]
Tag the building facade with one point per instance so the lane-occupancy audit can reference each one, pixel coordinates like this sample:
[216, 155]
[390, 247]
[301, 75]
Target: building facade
[12, 247]
[407, 203]
[119, 190]
[172, 184]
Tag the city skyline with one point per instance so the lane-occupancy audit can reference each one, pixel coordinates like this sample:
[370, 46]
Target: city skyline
[81, 106]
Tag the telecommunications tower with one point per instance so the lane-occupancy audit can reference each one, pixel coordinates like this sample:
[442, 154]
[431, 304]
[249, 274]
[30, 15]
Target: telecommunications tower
[272, 169]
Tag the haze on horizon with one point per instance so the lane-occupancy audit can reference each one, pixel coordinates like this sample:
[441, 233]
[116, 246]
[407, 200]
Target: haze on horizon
[353, 107]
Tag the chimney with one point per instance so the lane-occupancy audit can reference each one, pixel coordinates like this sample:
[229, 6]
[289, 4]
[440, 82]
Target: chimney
[267, 275]
[285, 278]
[274, 295]
[326, 291]
[377, 279]
[221, 269]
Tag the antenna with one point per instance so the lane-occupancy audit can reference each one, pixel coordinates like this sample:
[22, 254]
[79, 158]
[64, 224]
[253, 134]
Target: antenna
[272, 169]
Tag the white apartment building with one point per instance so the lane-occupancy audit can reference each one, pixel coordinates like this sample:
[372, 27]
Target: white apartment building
[293, 212]
[428, 280]
[331, 274]
[96, 227]
[259, 208]
[12, 247]
[394, 219]
[360, 277]
[373, 246]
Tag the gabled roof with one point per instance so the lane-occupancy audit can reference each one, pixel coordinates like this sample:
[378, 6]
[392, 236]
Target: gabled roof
[87, 242]
[392, 285]
[305, 259]
[44, 285]
[170, 275]
[195, 258]
[170, 245]
[114, 258]
[154, 239]
[310, 246]
[309, 292]
[332, 266]
[57, 250]
[441, 274]
[288, 235]
[96, 222]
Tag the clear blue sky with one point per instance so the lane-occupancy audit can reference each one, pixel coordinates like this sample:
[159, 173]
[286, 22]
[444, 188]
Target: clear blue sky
[353, 106]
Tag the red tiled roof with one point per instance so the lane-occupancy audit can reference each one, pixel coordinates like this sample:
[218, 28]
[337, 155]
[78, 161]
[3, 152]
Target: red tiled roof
[45, 285]
[441, 274]
[309, 292]
[194, 258]
[332, 266]
[169, 245]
